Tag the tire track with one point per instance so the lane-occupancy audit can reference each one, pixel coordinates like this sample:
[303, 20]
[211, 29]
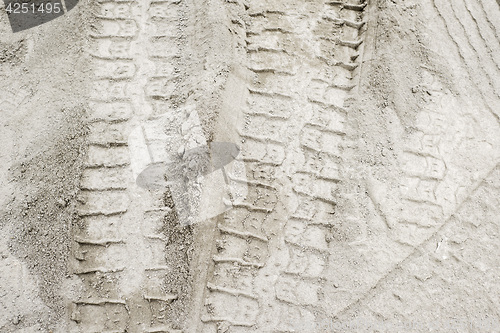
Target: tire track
[271, 252]
[127, 284]
[435, 180]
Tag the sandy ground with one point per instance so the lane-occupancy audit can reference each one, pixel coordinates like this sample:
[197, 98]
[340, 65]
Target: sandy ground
[365, 196]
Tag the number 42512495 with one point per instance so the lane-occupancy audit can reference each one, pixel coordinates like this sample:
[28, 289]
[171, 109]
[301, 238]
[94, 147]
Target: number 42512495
[24, 8]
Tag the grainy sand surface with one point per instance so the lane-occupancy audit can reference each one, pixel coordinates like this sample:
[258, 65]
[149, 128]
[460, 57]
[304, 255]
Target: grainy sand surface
[358, 190]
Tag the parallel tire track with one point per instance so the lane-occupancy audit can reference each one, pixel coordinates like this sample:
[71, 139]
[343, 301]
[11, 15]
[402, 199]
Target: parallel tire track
[301, 70]
[272, 263]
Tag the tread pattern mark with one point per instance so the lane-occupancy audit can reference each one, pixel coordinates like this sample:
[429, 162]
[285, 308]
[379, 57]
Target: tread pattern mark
[442, 271]
[268, 274]
[120, 249]
[436, 181]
